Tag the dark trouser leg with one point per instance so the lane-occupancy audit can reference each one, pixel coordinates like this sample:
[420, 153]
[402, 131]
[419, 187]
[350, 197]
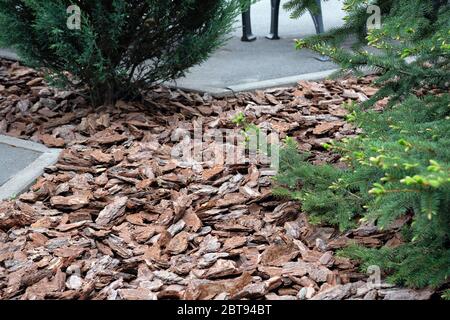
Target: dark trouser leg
[275, 13]
[318, 24]
[318, 19]
[247, 27]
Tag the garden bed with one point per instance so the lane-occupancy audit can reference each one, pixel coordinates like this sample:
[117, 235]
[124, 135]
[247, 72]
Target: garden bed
[119, 218]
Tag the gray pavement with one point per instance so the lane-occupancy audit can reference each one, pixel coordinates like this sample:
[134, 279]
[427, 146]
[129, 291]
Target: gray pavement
[8, 54]
[14, 160]
[21, 162]
[264, 63]
[257, 64]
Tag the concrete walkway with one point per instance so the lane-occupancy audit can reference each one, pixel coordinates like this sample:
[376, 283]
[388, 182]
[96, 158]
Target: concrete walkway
[240, 66]
[8, 54]
[21, 162]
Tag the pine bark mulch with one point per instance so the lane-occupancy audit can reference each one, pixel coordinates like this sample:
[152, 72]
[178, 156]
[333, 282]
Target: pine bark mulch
[119, 218]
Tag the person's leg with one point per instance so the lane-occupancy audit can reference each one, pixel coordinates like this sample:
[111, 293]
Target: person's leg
[275, 13]
[318, 19]
[247, 27]
[318, 24]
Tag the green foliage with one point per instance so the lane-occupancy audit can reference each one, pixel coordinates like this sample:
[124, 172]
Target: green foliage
[446, 295]
[255, 139]
[299, 7]
[309, 184]
[239, 119]
[412, 265]
[122, 45]
[400, 163]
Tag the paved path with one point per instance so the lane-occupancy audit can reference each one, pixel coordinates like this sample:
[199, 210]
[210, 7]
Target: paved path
[264, 63]
[9, 54]
[13, 160]
[21, 162]
[251, 65]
